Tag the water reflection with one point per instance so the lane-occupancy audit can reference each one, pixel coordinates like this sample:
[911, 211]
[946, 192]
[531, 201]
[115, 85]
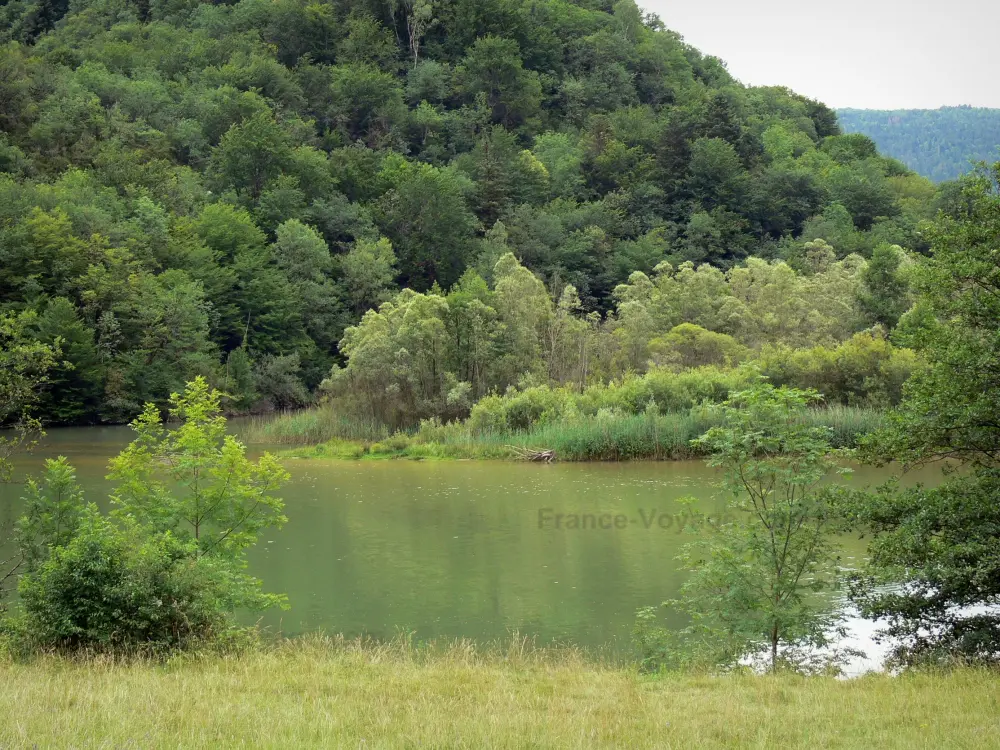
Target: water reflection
[465, 549]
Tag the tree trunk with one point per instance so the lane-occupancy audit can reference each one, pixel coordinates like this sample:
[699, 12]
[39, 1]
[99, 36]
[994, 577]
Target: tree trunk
[774, 648]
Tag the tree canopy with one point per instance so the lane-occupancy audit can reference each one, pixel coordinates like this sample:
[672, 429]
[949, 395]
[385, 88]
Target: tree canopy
[941, 144]
[223, 190]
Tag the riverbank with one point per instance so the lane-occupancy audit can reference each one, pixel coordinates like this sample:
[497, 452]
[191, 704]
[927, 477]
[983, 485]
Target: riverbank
[584, 438]
[320, 693]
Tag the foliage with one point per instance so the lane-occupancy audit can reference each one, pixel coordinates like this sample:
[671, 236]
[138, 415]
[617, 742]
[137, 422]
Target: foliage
[941, 144]
[163, 571]
[196, 483]
[179, 183]
[112, 586]
[53, 508]
[883, 297]
[25, 364]
[757, 582]
[938, 545]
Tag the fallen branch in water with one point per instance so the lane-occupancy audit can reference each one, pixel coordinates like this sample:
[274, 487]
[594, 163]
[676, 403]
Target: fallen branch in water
[527, 454]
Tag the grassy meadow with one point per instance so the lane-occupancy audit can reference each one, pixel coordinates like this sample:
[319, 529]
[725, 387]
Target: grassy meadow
[328, 693]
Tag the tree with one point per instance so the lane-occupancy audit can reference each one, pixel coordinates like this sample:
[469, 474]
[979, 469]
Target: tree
[367, 41]
[53, 509]
[494, 67]
[563, 160]
[302, 254]
[367, 273]
[937, 546]
[241, 389]
[419, 19]
[365, 104]
[525, 308]
[883, 296]
[566, 347]
[503, 175]
[252, 153]
[474, 328]
[428, 220]
[42, 255]
[716, 172]
[165, 323]
[397, 369]
[196, 483]
[688, 345]
[73, 391]
[25, 364]
[864, 191]
[755, 580]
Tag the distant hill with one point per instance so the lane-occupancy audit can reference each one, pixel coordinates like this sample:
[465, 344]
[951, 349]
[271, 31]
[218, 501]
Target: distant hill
[937, 143]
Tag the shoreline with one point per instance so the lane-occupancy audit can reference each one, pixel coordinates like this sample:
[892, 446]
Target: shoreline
[620, 437]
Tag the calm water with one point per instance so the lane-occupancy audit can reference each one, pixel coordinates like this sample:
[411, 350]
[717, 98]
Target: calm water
[460, 549]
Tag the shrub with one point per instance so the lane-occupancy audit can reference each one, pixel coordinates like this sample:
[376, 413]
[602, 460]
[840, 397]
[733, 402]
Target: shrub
[115, 586]
[865, 370]
[395, 443]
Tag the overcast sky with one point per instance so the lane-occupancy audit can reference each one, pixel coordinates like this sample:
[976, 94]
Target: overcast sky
[876, 54]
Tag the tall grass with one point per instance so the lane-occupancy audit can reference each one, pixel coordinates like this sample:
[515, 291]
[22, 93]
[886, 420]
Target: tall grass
[328, 693]
[848, 423]
[309, 426]
[619, 438]
[602, 437]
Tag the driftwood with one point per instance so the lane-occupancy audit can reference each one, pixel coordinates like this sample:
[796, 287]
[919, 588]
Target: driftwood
[527, 454]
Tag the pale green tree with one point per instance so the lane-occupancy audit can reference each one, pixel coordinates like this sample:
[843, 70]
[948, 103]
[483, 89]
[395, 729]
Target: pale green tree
[525, 309]
[196, 482]
[367, 274]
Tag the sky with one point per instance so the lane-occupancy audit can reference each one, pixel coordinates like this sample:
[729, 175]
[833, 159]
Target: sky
[871, 54]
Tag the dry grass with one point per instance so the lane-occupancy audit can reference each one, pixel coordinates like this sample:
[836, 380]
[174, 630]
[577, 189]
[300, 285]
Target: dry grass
[321, 693]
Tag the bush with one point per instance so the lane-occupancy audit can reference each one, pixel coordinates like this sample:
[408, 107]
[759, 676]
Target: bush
[519, 410]
[116, 587]
[866, 370]
[395, 443]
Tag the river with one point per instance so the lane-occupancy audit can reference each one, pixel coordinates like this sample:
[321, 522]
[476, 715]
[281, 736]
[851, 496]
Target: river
[461, 549]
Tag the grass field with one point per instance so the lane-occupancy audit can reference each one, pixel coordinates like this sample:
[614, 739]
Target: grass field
[321, 693]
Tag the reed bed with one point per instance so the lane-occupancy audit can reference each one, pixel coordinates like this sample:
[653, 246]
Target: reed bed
[595, 438]
[309, 426]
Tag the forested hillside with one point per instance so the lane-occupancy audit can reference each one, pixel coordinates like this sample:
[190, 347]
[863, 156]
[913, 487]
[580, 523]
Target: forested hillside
[937, 143]
[225, 189]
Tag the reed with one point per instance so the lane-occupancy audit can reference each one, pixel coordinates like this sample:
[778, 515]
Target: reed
[603, 437]
[309, 426]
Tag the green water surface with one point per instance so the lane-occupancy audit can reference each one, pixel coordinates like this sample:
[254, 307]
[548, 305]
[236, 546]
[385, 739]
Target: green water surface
[460, 549]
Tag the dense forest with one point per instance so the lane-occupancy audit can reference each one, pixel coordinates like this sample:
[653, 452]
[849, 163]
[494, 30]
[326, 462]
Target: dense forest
[417, 203]
[940, 143]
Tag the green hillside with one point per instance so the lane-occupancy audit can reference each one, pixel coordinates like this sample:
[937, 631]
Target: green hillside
[223, 189]
[937, 143]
